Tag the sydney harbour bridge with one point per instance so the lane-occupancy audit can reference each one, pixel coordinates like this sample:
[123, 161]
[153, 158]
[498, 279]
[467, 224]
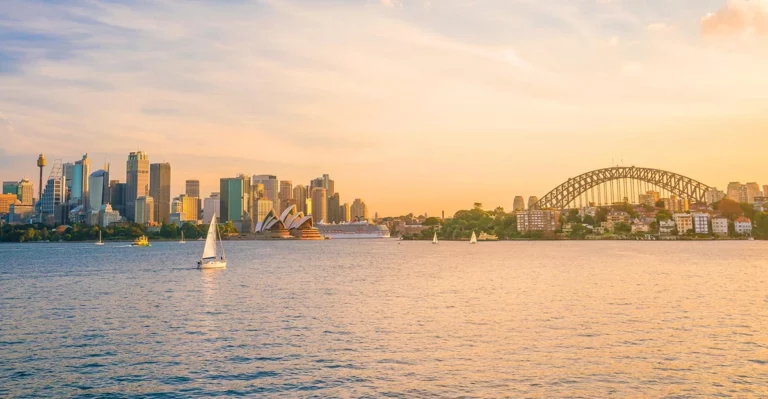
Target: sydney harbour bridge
[621, 184]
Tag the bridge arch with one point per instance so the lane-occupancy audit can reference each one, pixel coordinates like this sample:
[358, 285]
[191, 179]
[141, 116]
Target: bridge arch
[615, 184]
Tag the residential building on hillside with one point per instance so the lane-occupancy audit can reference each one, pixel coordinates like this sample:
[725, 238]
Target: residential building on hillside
[720, 225]
[684, 222]
[743, 226]
[713, 195]
[700, 223]
[649, 198]
[666, 227]
[538, 220]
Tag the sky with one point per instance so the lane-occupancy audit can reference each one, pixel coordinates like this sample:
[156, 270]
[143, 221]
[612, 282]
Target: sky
[413, 105]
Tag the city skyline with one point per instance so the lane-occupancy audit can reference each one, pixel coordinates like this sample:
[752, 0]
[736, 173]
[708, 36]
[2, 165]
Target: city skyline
[511, 98]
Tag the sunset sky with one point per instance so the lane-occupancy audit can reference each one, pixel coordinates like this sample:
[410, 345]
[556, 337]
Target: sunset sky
[412, 105]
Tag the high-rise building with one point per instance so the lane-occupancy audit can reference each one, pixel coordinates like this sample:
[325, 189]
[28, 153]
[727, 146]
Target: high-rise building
[271, 189]
[300, 195]
[752, 191]
[211, 206]
[262, 207]
[650, 198]
[733, 192]
[136, 181]
[11, 187]
[346, 213]
[234, 199]
[117, 197]
[334, 209]
[192, 188]
[518, 204]
[532, 200]
[359, 210]
[713, 195]
[26, 192]
[319, 205]
[6, 200]
[286, 190]
[324, 182]
[80, 181]
[189, 206]
[144, 208]
[53, 198]
[538, 220]
[99, 189]
[160, 191]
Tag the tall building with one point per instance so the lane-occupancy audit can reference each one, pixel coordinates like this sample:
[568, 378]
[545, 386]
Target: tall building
[136, 181]
[81, 173]
[144, 208]
[752, 191]
[6, 200]
[26, 192]
[262, 207]
[700, 223]
[532, 200]
[538, 220]
[684, 222]
[271, 189]
[713, 195]
[192, 188]
[286, 190]
[189, 206]
[346, 213]
[160, 191]
[334, 209]
[359, 210]
[11, 187]
[518, 204]
[300, 195]
[650, 198]
[234, 199]
[211, 206]
[117, 197]
[734, 191]
[53, 199]
[99, 189]
[319, 205]
[324, 182]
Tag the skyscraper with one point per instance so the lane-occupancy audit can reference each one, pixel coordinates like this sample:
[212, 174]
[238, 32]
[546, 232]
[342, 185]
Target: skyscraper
[346, 213]
[300, 195]
[99, 191]
[519, 204]
[160, 191]
[26, 192]
[11, 187]
[234, 199]
[324, 182]
[144, 207]
[136, 181]
[752, 190]
[286, 190]
[189, 206]
[192, 188]
[359, 210]
[334, 208]
[532, 200]
[53, 198]
[117, 197]
[733, 191]
[319, 205]
[271, 189]
[211, 205]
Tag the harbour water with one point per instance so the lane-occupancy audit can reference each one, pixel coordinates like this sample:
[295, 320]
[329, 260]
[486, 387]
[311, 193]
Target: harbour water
[380, 318]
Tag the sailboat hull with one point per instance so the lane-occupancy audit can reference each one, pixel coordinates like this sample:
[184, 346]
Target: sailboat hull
[213, 265]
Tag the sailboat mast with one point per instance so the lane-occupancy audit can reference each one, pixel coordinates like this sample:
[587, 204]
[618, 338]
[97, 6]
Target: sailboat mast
[223, 255]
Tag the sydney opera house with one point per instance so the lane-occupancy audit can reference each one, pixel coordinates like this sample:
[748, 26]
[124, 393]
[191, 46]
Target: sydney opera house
[290, 225]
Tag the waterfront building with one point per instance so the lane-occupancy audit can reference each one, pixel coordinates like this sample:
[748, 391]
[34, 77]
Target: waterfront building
[587, 211]
[346, 213]
[300, 195]
[666, 227]
[641, 228]
[211, 206]
[271, 188]
[713, 195]
[700, 223]
[743, 226]
[334, 209]
[234, 199]
[532, 200]
[290, 223]
[359, 210]
[319, 204]
[6, 200]
[538, 220]
[752, 190]
[144, 210]
[189, 207]
[684, 223]
[720, 225]
[98, 194]
[136, 181]
[192, 188]
[160, 190]
[518, 204]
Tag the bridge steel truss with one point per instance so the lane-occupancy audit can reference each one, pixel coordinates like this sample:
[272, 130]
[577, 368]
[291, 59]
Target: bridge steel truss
[568, 192]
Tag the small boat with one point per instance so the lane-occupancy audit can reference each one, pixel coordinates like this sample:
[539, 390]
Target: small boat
[434, 239]
[751, 238]
[210, 258]
[100, 242]
[473, 240]
[182, 239]
[141, 242]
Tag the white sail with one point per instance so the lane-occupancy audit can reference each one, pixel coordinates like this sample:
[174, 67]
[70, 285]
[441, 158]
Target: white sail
[210, 241]
[473, 240]
[434, 239]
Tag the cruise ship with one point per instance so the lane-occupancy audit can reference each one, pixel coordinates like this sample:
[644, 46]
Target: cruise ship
[353, 230]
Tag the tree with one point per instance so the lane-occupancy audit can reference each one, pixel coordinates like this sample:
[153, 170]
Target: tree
[622, 228]
[729, 208]
[573, 216]
[601, 215]
[589, 220]
[663, 215]
[478, 205]
[659, 204]
[431, 221]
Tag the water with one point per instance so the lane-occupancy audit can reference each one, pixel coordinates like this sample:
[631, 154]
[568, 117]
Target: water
[381, 319]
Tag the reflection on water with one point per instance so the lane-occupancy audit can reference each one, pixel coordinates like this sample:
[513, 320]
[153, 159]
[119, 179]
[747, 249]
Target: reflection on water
[379, 318]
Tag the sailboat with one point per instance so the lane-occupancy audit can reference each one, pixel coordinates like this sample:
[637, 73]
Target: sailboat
[182, 238]
[473, 240]
[434, 239]
[100, 242]
[210, 258]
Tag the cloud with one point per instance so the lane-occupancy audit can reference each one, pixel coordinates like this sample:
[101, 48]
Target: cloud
[632, 69]
[740, 18]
